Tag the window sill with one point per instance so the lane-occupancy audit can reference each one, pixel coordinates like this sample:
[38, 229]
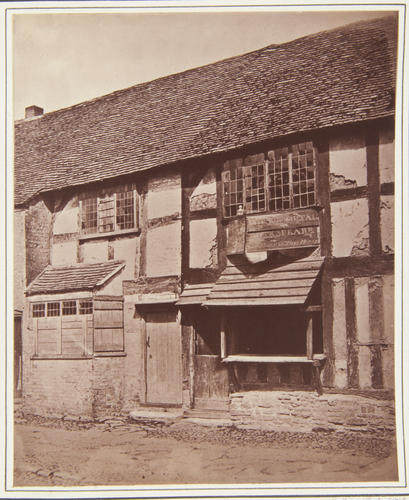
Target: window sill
[78, 357]
[115, 354]
[95, 236]
[257, 358]
[60, 356]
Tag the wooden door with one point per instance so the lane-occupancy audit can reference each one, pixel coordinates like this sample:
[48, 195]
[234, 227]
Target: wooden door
[163, 359]
[211, 386]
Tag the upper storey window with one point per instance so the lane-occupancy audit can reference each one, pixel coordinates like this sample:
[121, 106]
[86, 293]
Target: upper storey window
[108, 211]
[286, 181]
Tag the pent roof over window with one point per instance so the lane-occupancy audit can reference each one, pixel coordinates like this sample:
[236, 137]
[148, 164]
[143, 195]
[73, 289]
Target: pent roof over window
[335, 77]
[74, 278]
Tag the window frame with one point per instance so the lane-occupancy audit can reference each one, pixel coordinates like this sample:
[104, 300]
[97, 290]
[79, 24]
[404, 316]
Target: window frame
[84, 308]
[236, 176]
[99, 199]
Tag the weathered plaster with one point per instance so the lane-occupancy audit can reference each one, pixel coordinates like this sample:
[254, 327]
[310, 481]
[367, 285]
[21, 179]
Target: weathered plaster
[388, 223]
[347, 159]
[203, 245]
[126, 249]
[365, 371]
[94, 251]
[66, 219]
[339, 334]
[113, 287]
[204, 195]
[349, 221]
[164, 196]
[64, 253]
[386, 154]
[362, 310]
[389, 333]
[388, 307]
[163, 250]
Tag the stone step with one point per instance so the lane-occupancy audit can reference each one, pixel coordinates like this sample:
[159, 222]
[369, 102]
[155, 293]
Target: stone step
[215, 414]
[159, 415]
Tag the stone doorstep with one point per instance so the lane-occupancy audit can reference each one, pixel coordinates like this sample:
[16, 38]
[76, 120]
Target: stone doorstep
[165, 415]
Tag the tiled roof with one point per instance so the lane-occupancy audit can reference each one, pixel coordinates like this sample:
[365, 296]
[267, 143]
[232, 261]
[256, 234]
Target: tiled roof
[76, 277]
[334, 77]
[286, 284]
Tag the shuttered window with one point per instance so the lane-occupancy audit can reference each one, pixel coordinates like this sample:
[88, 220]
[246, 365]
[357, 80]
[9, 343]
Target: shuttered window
[108, 325]
[78, 327]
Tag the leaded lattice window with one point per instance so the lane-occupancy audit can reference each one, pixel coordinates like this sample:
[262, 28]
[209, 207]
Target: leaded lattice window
[109, 211]
[285, 181]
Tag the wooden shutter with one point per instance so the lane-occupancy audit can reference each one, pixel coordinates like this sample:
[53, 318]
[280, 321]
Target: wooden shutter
[108, 324]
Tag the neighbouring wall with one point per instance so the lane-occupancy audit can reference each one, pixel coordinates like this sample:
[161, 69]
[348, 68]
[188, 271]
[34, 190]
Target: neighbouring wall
[37, 228]
[19, 269]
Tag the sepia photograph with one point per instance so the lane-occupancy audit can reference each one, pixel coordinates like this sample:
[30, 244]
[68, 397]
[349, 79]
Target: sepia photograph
[203, 227]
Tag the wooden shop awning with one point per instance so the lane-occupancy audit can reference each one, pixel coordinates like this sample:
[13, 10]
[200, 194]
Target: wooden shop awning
[289, 284]
[195, 294]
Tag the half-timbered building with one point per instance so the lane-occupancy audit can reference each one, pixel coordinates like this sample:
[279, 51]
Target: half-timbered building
[218, 241]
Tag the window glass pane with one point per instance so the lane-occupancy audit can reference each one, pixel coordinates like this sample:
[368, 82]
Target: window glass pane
[254, 188]
[106, 214]
[69, 307]
[232, 192]
[303, 177]
[53, 309]
[89, 215]
[38, 310]
[125, 216]
[85, 306]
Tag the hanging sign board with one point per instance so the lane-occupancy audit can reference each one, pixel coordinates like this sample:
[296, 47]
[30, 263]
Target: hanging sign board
[282, 231]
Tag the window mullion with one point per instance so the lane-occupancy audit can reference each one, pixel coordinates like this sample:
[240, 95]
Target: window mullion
[114, 208]
[266, 194]
[290, 179]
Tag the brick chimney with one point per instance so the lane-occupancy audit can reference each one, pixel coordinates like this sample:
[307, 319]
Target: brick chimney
[32, 111]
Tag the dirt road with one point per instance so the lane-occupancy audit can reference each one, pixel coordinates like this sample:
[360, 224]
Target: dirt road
[120, 453]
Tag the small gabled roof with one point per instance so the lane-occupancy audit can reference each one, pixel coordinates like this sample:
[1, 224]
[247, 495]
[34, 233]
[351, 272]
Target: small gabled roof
[335, 77]
[74, 278]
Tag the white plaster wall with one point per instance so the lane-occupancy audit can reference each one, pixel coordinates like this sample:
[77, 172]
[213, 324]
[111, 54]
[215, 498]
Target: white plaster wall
[204, 195]
[386, 155]
[164, 196]
[113, 287]
[364, 371]
[347, 158]
[363, 332]
[388, 223]
[362, 310]
[388, 363]
[66, 220]
[163, 250]
[350, 228]
[95, 251]
[203, 246]
[389, 305]
[339, 333]
[64, 253]
[126, 249]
